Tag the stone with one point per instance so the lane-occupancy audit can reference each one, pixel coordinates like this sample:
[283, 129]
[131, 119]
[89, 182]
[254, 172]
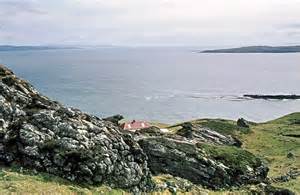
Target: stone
[196, 133]
[242, 123]
[290, 155]
[114, 119]
[151, 131]
[290, 175]
[194, 163]
[173, 190]
[277, 191]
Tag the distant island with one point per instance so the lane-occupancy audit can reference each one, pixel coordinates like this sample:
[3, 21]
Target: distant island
[274, 97]
[257, 49]
[25, 48]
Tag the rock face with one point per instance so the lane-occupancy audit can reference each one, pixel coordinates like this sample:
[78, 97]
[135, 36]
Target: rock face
[150, 131]
[196, 134]
[215, 167]
[202, 156]
[42, 134]
[114, 119]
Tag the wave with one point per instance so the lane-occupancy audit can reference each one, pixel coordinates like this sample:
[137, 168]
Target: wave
[165, 95]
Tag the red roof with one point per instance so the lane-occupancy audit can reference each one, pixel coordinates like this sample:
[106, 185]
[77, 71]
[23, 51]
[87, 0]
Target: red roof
[135, 125]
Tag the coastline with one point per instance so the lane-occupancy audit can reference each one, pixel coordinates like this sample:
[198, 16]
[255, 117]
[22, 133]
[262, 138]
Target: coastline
[204, 155]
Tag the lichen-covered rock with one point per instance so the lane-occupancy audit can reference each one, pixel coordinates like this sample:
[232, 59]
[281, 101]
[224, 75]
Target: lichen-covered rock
[42, 134]
[150, 131]
[213, 166]
[196, 133]
[114, 119]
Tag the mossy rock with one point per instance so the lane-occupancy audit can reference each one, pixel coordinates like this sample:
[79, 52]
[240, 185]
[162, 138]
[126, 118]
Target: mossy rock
[226, 127]
[234, 157]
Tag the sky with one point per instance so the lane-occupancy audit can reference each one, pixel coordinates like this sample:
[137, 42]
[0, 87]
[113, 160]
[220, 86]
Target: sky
[150, 22]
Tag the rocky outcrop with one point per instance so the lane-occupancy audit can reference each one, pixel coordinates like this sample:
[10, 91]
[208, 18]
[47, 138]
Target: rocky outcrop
[114, 119]
[242, 123]
[150, 131]
[196, 133]
[215, 167]
[42, 134]
[290, 175]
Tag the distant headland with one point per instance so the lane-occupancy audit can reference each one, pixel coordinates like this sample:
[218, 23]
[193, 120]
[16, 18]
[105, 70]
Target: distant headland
[25, 48]
[257, 49]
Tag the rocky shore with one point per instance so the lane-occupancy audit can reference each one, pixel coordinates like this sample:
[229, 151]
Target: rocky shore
[44, 135]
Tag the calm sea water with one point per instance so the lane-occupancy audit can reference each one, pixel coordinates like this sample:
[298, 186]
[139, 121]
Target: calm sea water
[162, 84]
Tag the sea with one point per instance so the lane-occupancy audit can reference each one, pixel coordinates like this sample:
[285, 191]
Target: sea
[161, 84]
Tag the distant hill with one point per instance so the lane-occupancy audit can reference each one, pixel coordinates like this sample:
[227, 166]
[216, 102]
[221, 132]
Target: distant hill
[257, 49]
[25, 48]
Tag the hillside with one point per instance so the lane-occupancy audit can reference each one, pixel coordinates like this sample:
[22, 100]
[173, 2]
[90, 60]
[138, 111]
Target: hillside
[268, 140]
[276, 141]
[257, 49]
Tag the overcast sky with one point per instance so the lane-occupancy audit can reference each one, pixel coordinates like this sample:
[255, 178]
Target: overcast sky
[150, 22]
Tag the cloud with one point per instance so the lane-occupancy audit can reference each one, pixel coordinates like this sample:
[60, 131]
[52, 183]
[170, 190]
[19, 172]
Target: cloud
[148, 22]
[292, 26]
[14, 7]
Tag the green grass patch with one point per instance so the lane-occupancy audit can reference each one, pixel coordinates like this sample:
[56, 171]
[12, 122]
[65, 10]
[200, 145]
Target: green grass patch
[226, 127]
[290, 119]
[232, 156]
[23, 181]
[269, 141]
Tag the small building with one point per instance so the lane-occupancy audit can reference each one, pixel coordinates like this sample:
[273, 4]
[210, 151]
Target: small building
[135, 125]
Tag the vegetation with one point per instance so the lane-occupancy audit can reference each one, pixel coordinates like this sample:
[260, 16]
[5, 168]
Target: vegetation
[17, 181]
[222, 126]
[271, 141]
[232, 156]
[268, 140]
[21, 181]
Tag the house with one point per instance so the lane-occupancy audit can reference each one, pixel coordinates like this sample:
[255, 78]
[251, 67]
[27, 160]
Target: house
[135, 125]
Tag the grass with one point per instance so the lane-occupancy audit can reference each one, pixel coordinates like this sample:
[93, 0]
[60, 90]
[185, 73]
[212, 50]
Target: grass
[12, 181]
[233, 157]
[268, 141]
[16, 181]
[159, 125]
[227, 127]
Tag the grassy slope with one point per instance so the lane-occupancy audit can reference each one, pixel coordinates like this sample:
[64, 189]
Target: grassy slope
[16, 181]
[266, 140]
